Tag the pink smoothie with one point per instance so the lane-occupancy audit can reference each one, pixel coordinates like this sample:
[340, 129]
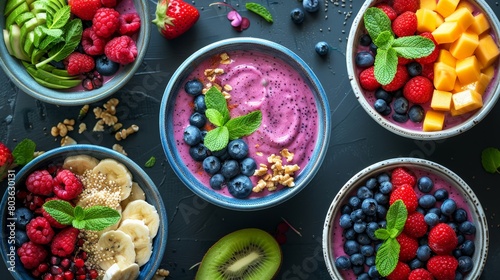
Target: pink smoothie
[265, 83]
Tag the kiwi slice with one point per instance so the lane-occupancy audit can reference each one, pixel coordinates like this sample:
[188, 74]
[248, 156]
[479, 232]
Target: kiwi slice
[245, 254]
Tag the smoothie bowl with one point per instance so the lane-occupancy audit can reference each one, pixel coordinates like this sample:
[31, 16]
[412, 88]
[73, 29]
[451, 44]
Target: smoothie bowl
[64, 56]
[405, 216]
[245, 123]
[122, 232]
[433, 73]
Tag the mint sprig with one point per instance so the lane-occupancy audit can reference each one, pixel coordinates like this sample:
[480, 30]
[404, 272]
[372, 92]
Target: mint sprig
[490, 159]
[92, 218]
[24, 152]
[388, 253]
[389, 48]
[260, 10]
[227, 129]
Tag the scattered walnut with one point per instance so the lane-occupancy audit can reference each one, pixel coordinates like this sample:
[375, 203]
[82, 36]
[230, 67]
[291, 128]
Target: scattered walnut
[119, 148]
[62, 128]
[161, 274]
[83, 111]
[108, 118]
[227, 87]
[219, 71]
[66, 141]
[97, 112]
[99, 126]
[81, 128]
[122, 134]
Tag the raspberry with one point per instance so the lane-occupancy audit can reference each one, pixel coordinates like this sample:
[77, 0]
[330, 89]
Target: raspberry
[388, 10]
[79, 63]
[31, 254]
[420, 274]
[108, 3]
[442, 267]
[40, 182]
[418, 90]
[403, 61]
[39, 231]
[405, 24]
[402, 176]
[66, 185]
[415, 225]
[407, 195]
[399, 79]
[401, 272]
[121, 50]
[64, 242]
[84, 9]
[367, 79]
[428, 71]
[53, 223]
[129, 24]
[6, 161]
[408, 247]
[92, 44]
[434, 54]
[442, 239]
[401, 6]
[105, 22]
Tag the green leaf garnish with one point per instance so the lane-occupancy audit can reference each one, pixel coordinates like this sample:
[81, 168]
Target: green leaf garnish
[100, 217]
[217, 138]
[386, 65]
[62, 211]
[79, 213]
[384, 40]
[387, 257]
[244, 125]
[24, 152]
[490, 159]
[59, 19]
[214, 99]
[382, 234]
[376, 22]
[151, 162]
[413, 46]
[215, 117]
[396, 215]
[260, 10]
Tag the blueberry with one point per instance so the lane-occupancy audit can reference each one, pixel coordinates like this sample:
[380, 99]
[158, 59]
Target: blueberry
[198, 152]
[443, 218]
[369, 206]
[105, 66]
[197, 119]
[431, 219]
[363, 276]
[387, 111]
[363, 193]
[354, 202]
[217, 181]
[21, 237]
[357, 259]
[381, 198]
[373, 272]
[211, 165]
[385, 187]
[441, 194]
[400, 118]
[351, 247]
[373, 48]
[382, 224]
[398, 93]
[460, 215]
[380, 106]
[297, 15]
[365, 40]
[221, 154]
[363, 239]
[380, 93]
[192, 135]
[364, 59]
[359, 227]
[427, 201]
[424, 253]
[400, 105]
[415, 263]
[370, 230]
[248, 166]
[425, 184]
[357, 215]
[345, 221]
[343, 263]
[367, 250]
[350, 234]
[377, 246]
[467, 228]
[458, 276]
[381, 211]
[199, 104]
[193, 87]
[370, 261]
[421, 210]
[460, 239]
[23, 216]
[230, 168]
[468, 248]
[240, 186]
[310, 6]
[383, 177]
[448, 207]
[416, 113]
[358, 269]
[346, 209]
[456, 253]
[237, 149]
[322, 47]
[371, 183]
[435, 210]
[414, 68]
[465, 264]
[203, 134]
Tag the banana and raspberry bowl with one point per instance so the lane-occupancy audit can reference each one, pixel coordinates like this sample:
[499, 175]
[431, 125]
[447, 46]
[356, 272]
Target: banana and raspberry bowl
[83, 212]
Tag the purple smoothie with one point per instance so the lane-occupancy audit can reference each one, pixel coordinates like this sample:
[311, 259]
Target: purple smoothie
[259, 82]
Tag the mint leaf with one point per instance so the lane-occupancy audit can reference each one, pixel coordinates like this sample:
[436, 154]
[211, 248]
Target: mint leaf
[376, 22]
[387, 256]
[217, 139]
[384, 40]
[490, 159]
[413, 46]
[394, 232]
[79, 213]
[49, 42]
[62, 211]
[215, 117]
[386, 64]
[151, 162]
[73, 33]
[100, 217]
[244, 125]
[59, 19]
[214, 99]
[52, 32]
[396, 215]
[382, 233]
[79, 224]
[260, 10]
[24, 152]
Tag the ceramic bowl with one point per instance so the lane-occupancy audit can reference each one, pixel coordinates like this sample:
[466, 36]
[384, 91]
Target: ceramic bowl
[452, 126]
[172, 145]
[58, 155]
[333, 238]
[16, 72]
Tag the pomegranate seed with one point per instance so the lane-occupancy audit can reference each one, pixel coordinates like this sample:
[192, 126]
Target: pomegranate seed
[48, 277]
[59, 277]
[36, 273]
[80, 242]
[56, 270]
[55, 260]
[87, 84]
[80, 271]
[79, 262]
[280, 238]
[97, 82]
[68, 275]
[283, 227]
[43, 267]
[93, 274]
[65, 263]
[83, 255]
[81, 277]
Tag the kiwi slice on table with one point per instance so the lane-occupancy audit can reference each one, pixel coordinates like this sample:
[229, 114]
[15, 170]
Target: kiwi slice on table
[245, 254]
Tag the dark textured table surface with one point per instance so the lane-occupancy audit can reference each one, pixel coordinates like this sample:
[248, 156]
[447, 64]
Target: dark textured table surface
[356, 140]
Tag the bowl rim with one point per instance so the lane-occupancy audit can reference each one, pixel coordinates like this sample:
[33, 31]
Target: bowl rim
[480, 114]
[475, 207]
[324, 127]
[160, 241]
[10, 64]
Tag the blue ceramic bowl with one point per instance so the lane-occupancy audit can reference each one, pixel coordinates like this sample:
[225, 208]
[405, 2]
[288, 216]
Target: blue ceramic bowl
[57, 156]
[16, 72]
[167, 128]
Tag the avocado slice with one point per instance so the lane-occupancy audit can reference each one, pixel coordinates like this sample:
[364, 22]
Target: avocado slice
[21, 9]
[11, 5]
[38, 7]
[28, 43]
[15, 42]
[22, 18]
[37, 55]
[39, 36]
[50, 80]
[63, 74]
[6, 39]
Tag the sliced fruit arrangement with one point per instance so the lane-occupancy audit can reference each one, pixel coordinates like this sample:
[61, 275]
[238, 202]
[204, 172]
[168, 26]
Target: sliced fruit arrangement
[84, 219]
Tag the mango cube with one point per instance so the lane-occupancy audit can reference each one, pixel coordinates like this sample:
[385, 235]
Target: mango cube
[433, 121]
[490, 72]
[444, 76]
[487, 51]
[446, 7]
[467, 5]
[465, 45]
[462, 16]
[446, 57]
[427, 20]
[447, 32]
[428, 4]
[480, 85]
[441, 100]
[480, 24]
[466, 101]
[468, 70]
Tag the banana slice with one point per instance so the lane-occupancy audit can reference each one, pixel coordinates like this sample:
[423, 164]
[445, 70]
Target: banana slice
[143, 211]
[117, 248]
[115, 272]
[117, 172]
[143, 255]
[139, 233]
[135, 194]
[78, 164]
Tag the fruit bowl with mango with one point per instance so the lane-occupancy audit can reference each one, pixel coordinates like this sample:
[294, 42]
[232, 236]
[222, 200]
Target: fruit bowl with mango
[72, 52]
[425, 69]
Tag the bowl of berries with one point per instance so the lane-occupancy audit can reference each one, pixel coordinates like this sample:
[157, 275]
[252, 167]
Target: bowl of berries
[72, 52]
[405, 218]
[244, 123]
[425, 69]
[82, 212]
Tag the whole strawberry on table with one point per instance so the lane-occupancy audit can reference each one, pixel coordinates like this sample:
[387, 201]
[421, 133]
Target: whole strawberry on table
[175, 17]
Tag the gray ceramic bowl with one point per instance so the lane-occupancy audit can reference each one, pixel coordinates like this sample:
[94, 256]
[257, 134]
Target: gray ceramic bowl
[332, 234]
[167, 127]
[138, 174]
[20, 77]
[462, 124]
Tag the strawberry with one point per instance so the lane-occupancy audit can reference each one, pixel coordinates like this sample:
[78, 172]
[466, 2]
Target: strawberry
[420, 274]
[388, 10]
[442, 267]
[415, 225]
[434, 54]
[418, 90]
[407, 194]
[84, 9]
[405, 24]
[401, 272]
[174, 17]
[367, 79]
[442, 239]
[408, 247]
[402, 176]
[399, 79]
[401, 6]
[6, 161]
